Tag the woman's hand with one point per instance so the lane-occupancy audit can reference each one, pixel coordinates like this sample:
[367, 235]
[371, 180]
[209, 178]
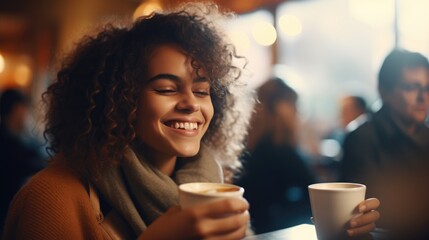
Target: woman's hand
[365, 223]
[224, 219]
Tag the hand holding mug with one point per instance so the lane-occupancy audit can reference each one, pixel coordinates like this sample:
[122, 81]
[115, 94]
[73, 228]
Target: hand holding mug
[340, 211]
[364, 223]
[222, 219]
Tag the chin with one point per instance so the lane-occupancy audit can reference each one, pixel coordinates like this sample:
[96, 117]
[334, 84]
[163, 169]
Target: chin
[420, 120]
[187, 154]
[191, 152]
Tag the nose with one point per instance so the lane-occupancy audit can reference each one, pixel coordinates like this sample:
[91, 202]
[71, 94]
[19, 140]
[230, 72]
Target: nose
[188, 103]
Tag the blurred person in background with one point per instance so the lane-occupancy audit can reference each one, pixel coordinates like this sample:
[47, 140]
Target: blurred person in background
[20, 153]
[353, 113]
[390, 152]
[275, 174]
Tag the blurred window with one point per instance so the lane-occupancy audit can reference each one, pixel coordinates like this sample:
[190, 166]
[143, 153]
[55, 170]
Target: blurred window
[326, 49]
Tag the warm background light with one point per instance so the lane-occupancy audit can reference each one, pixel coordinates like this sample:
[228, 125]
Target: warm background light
[146, 8]
[22, 75]
[2, 63]
[290, 25]
[258, 58]
[240, 40]
[374, 13]
[264, 33]
[412, 24]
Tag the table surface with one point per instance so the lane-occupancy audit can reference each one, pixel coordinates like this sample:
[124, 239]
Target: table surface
[304, 232]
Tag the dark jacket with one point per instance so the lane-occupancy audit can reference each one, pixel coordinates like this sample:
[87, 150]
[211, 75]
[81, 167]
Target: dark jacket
[394, 165]
[381, 145]
[275, 179]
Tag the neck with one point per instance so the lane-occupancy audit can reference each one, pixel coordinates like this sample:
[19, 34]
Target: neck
[163, 162]
[406, 124]
[411, 129]
[166, 166]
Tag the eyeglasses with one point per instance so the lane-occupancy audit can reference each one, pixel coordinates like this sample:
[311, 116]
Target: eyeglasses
[413, 87]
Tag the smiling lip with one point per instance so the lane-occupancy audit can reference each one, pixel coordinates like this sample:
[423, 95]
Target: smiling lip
[184, 127]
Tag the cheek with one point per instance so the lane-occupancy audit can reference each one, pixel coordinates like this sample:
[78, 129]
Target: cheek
[398, 100]
[404, 103]
[426, 99]
[146, 115]
[141, 121]
[410, 99]
[208, 110]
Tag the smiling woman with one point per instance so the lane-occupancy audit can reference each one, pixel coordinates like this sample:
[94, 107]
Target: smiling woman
[134, 112]
[175, 110]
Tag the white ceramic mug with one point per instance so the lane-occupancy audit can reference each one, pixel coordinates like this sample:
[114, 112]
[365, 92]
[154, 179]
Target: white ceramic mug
[333, 205]
[201, 192]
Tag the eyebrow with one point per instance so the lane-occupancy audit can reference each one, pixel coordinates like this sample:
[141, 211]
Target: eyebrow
[175, 78]
[165, 76]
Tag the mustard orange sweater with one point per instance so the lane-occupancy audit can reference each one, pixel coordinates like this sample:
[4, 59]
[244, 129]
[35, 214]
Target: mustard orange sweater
[54, 204]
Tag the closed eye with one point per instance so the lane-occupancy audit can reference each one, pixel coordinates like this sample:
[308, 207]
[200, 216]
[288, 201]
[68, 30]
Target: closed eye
[202, 93]
[166, 91]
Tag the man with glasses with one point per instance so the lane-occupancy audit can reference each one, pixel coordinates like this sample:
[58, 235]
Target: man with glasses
[390, 153]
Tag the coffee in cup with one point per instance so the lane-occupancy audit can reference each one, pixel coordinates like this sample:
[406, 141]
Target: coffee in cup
[201, 192]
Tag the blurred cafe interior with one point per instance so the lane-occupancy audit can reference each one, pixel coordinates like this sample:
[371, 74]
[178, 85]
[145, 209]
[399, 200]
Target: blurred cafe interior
[323, 49]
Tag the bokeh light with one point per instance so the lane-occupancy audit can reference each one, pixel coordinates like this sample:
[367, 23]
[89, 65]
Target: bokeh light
[2, 63]
[290, 25]
[264, 33]
[330, 148]
[22, 75]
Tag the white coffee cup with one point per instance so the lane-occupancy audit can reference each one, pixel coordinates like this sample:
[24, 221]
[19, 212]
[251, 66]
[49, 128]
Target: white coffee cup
[191, 194]
[333, 205]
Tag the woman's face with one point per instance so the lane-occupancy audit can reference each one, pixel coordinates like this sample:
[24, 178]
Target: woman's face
[175, 108]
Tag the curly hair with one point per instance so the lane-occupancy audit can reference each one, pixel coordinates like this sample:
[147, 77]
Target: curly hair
[91, 107]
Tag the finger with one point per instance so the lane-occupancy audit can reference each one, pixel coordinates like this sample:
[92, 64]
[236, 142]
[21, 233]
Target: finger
[365, 219]
[218, 209]
[235, 235]
[368, 205]
[223, 226]
[361, 230]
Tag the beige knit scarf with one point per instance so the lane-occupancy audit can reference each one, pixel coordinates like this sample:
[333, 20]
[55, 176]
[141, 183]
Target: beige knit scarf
[140, 193]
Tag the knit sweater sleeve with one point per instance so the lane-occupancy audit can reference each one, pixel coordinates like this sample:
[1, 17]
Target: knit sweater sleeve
[52, 206]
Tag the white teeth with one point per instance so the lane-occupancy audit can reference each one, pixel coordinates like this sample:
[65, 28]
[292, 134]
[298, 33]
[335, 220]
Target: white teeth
[185, 125]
